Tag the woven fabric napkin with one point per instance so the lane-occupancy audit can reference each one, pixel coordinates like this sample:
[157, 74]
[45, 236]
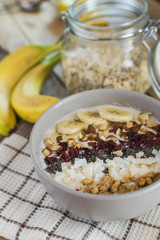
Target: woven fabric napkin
[27, 212]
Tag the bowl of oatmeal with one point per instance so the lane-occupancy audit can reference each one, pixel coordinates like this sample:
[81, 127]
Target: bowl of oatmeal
[97, 153]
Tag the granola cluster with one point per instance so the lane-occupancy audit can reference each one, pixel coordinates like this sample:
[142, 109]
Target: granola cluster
[109, 185]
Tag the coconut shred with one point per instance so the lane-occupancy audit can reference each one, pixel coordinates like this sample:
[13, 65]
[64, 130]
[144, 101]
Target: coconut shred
[103, 150]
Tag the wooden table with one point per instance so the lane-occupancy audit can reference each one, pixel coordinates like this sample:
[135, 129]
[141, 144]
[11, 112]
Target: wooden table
[44, 27]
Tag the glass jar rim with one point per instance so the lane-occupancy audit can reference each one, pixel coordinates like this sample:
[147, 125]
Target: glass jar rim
[119, 31]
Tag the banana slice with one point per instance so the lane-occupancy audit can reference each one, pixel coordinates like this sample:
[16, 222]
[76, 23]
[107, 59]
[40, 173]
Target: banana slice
[73, 135]
[54, 135]
[116, 114]
[92, 118]
[65, 137]
[70, 126]
[144, 117]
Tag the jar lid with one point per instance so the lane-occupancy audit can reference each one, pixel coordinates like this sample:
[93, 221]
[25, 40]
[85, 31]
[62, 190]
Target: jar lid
[154, 68]
[150, 32]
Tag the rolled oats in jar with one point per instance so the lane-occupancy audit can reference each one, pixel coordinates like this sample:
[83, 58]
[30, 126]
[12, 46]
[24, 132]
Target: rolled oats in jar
[103, 47]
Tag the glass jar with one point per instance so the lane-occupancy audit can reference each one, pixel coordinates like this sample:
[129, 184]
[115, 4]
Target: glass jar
[103, 47]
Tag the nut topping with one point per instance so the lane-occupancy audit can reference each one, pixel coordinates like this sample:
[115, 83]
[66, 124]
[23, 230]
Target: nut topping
[71, 142]
[47, 151]
[102, 127]
[143, 129]
[109, 148]
[118, 132]
[91, 129]
[129, 124]
[105, 133]
[151, 124]
[56, 147]
[48, 143]
[79, 145]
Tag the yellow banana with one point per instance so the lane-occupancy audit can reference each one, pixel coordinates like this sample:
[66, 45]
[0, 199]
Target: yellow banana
[4, 129]
[12, 68]
[25, 98]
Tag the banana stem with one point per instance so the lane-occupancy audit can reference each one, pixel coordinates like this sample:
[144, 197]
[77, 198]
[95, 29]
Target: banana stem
[53, 47]
[46, 68]
[53, 60]
[32, 82]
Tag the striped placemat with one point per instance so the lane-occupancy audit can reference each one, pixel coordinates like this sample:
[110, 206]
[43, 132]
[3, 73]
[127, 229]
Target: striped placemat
[27, 212]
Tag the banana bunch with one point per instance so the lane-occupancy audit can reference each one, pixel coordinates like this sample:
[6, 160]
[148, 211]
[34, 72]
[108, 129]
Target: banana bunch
[12, 70]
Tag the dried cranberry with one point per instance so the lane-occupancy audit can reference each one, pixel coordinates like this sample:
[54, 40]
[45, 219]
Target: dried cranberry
[73, 152]
[150, 134]
[149, 143]
[111, 145]
[101, 144]
[65, 157]
[63, 144]
[61, 151]
[49, 160]
[131, 136]
[158, 141]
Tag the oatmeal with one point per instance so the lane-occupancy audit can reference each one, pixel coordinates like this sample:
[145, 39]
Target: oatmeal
[104, 150]
[108, 67]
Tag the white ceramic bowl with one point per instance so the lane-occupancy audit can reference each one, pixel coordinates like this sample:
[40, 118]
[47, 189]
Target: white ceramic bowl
[90, 206]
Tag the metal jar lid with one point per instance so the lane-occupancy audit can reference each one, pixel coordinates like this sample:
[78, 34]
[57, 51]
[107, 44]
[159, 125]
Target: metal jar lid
[150, 41]
[150, 32]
